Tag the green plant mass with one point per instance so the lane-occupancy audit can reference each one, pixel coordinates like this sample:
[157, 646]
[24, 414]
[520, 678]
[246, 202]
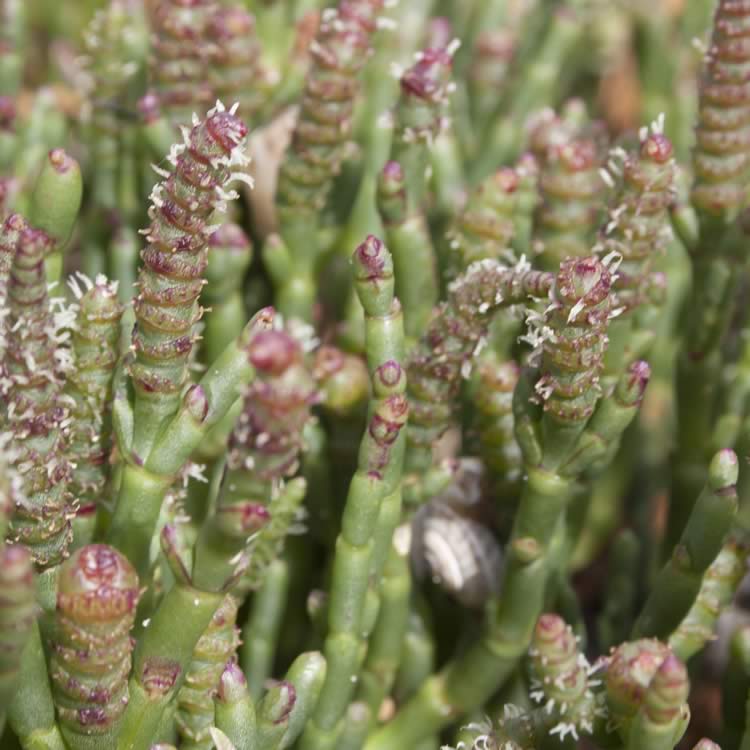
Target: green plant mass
[375, 375]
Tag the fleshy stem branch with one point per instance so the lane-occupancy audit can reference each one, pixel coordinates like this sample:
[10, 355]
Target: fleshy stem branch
[378, 475]
[552, 433]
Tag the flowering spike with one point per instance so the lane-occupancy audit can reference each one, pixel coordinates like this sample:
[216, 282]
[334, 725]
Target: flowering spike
[706, 744]
[571, 190]
[443, 356]
[630, 670]
[36, 417]
[18, 611]
[234, 708]
[9, 233]
[665, 701]
[484, 229]
[494, 403]
[339, 51]
[638, 226]
[424, 97]
[561, 677]
[721, 160]
[88, 390]
[182, 52]
[175, 259]
[235, 74]
[264, 449]
[573, 346]
[91, 647]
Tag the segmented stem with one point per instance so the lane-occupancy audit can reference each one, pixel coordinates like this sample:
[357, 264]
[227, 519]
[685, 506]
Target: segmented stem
[109, 42]
[561, 677]
[378, 475]
[488, 73]
[571, 188]
[171, 278]
[442, 357]
[494, 403]
[323, 129]
[91, 650]
[638, 228]
[18, 611]
[721, 160]
[484, 229]
[266, 443]
[664, 714]
[195, 700]
[235, 74]
[37, 418]
[181, 57]
[720, 583]
[88, 390]
[229, 256]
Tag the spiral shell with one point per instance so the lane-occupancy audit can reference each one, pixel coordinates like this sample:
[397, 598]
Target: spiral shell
[460, 554]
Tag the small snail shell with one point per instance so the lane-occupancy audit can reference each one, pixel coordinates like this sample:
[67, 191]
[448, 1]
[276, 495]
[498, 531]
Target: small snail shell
[460, 554]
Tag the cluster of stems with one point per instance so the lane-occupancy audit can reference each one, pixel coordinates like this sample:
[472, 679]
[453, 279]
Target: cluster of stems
[437, 436]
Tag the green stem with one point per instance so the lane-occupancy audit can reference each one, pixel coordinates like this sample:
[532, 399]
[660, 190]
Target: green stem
[55, 203]
[144, 483]
[31, 714]
[385, 647]
[261, 631]
[679, 582]
[736, 689]
[161, 660]
[378, 474]
[234, 709]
